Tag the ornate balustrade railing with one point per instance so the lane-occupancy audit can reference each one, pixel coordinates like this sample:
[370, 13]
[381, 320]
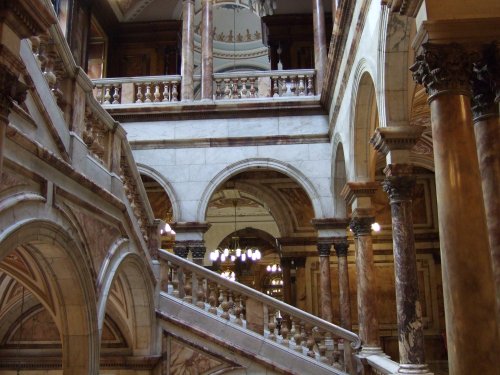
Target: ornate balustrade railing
[264, 84]
[246, 307]
[239, 85]
[152, 89]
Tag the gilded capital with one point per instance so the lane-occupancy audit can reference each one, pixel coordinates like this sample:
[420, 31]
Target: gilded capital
[443, 68]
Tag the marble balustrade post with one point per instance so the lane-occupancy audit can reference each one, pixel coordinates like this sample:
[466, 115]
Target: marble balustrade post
[187, 59]
[468, 286]
[399, 185]
[360, 225]
[207, 61]
[485, 109]
[319, 43]
[324, 246]
[341, 247]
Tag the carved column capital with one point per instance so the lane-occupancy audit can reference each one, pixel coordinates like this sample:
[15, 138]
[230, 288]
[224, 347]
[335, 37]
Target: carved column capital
[198, 250]
[361, 225]
[443, 68]
[324, 248]
[181, 249]
[399, 182]
[485, 82]
[341, 246]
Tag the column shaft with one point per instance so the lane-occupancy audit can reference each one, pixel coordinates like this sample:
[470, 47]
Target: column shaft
[344, 295]
[187, 60]
[300, 284]
[324, 281]
[468, 287]
[287, 281]
[367, 296]
[409, 312]
[319, 43]
[207, 66]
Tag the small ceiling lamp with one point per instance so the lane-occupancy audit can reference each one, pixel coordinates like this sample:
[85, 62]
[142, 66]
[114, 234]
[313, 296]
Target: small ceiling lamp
[228, 274]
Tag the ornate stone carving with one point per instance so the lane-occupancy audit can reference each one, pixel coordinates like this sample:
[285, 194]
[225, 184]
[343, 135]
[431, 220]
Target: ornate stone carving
[443, 68]
[361, 225]
[396, 138]
[399, 188]
[324, 249]
[485, 82]
[341, 246]
[198, 250]
[181, 249]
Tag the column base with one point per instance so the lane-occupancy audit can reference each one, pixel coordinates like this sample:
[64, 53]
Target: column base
[371, 350]
[414, 369]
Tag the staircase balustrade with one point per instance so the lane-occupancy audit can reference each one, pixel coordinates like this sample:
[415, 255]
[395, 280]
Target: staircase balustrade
[274, 320]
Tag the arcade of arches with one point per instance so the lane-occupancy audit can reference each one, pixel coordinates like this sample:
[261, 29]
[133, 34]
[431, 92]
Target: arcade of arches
[138, 136]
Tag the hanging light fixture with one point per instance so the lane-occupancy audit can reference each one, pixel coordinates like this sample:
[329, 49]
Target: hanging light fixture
[234, 251]
[228, 274]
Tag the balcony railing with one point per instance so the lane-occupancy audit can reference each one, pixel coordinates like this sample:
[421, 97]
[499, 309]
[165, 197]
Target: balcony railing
[227, 86]
[274, 320]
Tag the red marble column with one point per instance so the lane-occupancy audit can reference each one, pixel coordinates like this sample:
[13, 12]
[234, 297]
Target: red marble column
[485, 100]
[399, 185]
[341, 248]
[468, 287]
[319, 43]
[300, 284]
[361, 223]
[207, 60]
[187, 58]
[324, 279]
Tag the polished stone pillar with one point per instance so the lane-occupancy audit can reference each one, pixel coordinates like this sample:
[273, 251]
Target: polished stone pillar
[399, 185]
[324, 246]
[319, 43]
[485, 109]
[361, 223]
[207, 60]
[300, 283]
[358, 195]
[341, 249]
[187, 58]
[287, 280]
[468, 287]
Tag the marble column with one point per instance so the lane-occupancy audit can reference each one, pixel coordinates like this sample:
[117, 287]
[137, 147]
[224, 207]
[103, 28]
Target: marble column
[399, 185]
[324, 246]
[207, 60]
[319, 43]
[287, 280]
[187, 59]
[300, 283]
[361, 223]
[198, 251]
[485, 110]
[468, 287]
[341, 248]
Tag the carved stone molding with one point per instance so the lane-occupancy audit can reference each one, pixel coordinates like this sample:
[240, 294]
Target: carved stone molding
[485, 82]
[392, 138]
[443, 69]
[341, 246]
[399, 188]
[353, 190]
[330, 223]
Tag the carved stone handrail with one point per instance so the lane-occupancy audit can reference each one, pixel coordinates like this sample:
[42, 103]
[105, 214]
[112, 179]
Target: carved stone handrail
[235, 302]
[382, 365]
[264, 84]
[127, 90]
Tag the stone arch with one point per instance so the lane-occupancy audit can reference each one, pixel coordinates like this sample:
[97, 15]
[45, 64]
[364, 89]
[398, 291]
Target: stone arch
[259, 163]
[364, 122]
[123, 261]
[169, 190]
[339, 177]
[392, 83]
[52, 243]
